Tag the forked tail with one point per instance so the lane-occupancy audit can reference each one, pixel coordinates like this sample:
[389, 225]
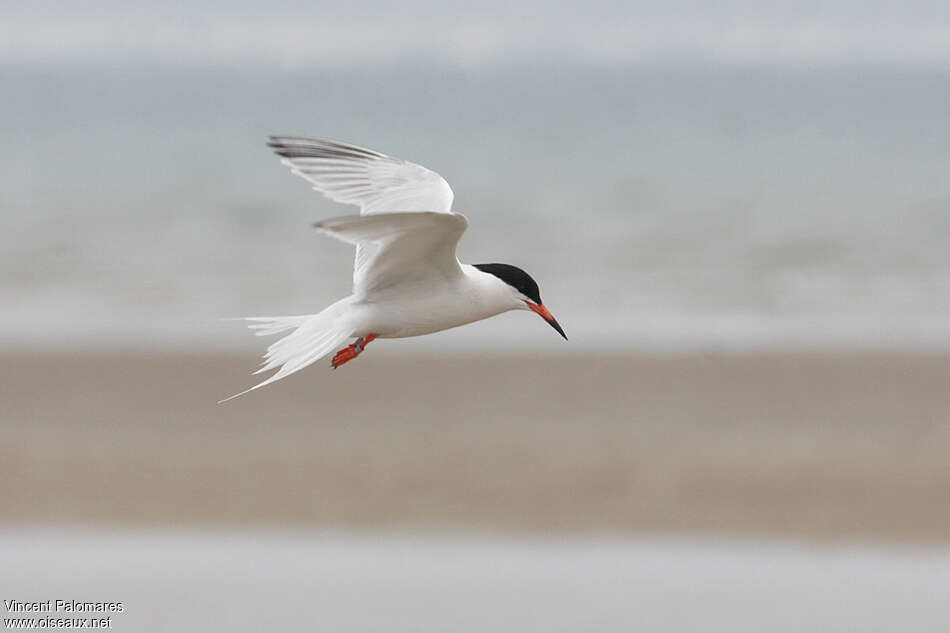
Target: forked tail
[314, 336]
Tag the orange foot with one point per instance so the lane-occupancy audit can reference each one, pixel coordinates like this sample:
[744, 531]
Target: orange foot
[350, 352]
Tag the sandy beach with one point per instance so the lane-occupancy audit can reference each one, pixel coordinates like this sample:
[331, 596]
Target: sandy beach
[802, 446]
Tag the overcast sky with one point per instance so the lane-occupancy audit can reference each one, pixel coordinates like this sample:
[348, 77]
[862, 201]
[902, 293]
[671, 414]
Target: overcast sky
[300, 34]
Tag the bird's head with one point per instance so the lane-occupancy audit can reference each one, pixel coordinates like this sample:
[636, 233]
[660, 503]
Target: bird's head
[523, 290]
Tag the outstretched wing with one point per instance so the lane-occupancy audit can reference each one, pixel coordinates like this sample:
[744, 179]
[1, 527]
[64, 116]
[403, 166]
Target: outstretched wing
[374, 182]
[410, 247]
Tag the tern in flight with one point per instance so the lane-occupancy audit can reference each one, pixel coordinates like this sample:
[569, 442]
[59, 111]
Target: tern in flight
[407, 280]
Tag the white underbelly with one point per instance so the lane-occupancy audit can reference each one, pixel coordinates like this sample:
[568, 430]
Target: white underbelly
[409, 315]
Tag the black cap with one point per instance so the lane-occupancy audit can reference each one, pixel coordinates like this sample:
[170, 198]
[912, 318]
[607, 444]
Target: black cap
[514, 277]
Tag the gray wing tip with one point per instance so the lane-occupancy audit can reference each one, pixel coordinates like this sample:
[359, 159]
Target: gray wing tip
[306, 147]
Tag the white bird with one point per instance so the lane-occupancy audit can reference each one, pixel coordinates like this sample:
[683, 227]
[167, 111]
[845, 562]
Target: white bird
[407, 280]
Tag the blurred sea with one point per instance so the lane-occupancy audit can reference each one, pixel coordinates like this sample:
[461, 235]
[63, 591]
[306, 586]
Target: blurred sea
[196, 580]
[658, 207]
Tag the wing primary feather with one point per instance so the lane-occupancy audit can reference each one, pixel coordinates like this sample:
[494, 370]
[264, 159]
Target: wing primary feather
[374, 182]
[300, 147]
